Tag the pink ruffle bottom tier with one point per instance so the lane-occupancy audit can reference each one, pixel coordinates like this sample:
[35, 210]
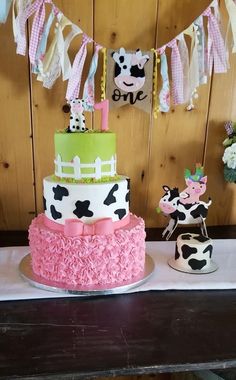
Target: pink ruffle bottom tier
[88, 260]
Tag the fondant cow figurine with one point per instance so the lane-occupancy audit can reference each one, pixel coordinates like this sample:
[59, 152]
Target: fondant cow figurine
[196, 185]
[77, 118]
[129, 69]
[191, 213]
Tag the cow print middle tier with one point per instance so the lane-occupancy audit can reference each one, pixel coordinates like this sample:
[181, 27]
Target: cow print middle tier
[84, 201]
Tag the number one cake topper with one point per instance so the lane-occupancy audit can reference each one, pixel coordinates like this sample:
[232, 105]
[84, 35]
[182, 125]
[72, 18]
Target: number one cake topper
[104, 107]
[77, 118]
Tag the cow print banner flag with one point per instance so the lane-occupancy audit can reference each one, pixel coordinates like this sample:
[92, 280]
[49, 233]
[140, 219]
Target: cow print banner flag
[129, 78]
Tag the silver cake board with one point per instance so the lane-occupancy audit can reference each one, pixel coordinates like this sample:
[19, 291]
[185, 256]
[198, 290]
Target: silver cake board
[175, 265]
[27, 273]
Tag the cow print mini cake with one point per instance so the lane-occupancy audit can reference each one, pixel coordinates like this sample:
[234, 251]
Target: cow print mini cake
[193, 254]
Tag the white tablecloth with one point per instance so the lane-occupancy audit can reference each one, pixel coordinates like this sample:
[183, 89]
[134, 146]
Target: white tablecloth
[13, 287]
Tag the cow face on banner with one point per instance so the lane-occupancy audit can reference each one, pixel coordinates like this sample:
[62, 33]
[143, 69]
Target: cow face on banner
[129, 70]
[129, 78]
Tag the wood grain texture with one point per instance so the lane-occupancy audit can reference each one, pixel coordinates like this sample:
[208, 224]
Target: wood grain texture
[177, 138]
[151, 152]
[222, 108]
[125, 27]
[48, 115]
[17, 205]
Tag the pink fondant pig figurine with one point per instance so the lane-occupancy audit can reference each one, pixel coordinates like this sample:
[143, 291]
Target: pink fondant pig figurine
[196, 185]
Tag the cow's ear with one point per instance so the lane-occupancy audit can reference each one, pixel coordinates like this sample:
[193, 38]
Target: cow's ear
[204, 179]
[166, 188]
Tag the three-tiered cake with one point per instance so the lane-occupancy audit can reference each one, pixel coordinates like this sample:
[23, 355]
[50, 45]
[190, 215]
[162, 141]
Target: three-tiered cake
[87, 235]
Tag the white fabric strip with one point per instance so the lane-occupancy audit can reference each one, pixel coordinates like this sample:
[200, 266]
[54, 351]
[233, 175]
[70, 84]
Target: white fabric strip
[194, 65]
[183, 51]
[231, 8]
[63, 46]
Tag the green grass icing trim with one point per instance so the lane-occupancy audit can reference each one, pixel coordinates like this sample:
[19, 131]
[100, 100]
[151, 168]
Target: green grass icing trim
[86, 132]
[54, 178]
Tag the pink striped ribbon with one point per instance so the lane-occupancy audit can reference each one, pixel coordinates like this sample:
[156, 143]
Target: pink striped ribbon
[74, 82]
[216, 47]
[177, 73]
[36, 32]
[37, 7]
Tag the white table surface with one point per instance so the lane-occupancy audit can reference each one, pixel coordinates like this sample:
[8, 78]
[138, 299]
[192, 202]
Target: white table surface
[13, 287]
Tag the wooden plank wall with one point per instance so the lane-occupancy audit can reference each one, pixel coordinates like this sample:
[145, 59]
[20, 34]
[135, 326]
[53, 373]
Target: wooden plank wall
[151, 152]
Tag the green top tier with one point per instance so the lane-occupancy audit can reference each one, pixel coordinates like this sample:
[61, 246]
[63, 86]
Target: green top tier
[81, 149]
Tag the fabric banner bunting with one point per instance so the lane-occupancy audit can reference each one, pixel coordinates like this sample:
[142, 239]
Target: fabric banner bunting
[155, 79]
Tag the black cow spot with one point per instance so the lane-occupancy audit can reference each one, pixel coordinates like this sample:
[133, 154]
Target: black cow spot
[110, 198]
[121, 212]
[177, 255]
[188, 251]
[187, 206]
[60, 192]
[200, 210]
[121, 59]
[127, 197]
[197, 264]
[201, 238]
[136, 72]
[186, 237]
[174, 193]
[117, 70]
[82, 209]
[209, 248]
[55, 214]
[44, 204]
[178, 215]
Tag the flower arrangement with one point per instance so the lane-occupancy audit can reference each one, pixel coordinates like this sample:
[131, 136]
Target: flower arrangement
[229, 156]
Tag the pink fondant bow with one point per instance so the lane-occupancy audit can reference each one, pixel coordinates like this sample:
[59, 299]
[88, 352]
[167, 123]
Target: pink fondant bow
[76, 227]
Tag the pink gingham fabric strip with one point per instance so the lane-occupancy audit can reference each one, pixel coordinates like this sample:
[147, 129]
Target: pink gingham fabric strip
[88, 93]
[74, 82]
[37, 8]
[22, 18]
[184, 56]
[36, 32]
[177, 74]
[216, 46]
[41, 49]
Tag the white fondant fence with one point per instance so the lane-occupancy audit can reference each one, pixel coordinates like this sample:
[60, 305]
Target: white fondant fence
[77, 166]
